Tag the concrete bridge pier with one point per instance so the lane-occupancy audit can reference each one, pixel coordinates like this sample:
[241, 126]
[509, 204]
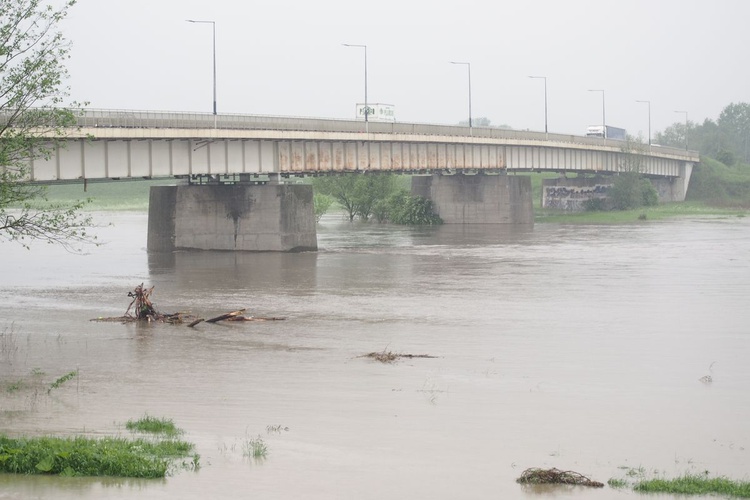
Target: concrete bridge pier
[478, 198]
[259, 218]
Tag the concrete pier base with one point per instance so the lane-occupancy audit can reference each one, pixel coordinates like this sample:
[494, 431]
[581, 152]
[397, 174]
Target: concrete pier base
[478, 199]
[256, 218]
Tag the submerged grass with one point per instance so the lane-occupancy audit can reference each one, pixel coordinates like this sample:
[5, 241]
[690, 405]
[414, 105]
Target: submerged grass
[693, 484]
[60, 381]
[154, 425]
[83, 456]
[255, 448]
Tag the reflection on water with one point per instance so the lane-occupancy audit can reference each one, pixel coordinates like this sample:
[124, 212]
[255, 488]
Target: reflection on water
[573, 347]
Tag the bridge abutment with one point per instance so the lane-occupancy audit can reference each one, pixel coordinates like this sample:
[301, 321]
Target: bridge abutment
[478, 199]
[257, 218]
[566, 193]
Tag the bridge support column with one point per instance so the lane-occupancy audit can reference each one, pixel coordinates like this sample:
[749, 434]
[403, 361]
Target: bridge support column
[277, 218]
[675, 188]
[478, 199]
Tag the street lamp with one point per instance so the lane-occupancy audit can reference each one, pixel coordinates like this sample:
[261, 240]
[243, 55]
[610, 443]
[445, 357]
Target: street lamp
[468, 66]
[649, 119]
[367, 108]
[213, 28]
[604, 120]
[686, 128]
[545, 99]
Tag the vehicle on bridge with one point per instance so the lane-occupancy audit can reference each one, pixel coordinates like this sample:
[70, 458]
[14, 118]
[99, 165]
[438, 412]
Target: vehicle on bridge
[606, 132]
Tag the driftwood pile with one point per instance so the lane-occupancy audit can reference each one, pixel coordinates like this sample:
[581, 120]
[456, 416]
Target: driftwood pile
[144, 310]
[556, 476]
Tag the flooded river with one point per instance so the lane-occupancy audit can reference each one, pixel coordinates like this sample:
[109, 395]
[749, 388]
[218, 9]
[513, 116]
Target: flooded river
[576, 347]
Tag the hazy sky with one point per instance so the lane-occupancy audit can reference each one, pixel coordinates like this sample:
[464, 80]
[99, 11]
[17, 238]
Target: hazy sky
[285, 57]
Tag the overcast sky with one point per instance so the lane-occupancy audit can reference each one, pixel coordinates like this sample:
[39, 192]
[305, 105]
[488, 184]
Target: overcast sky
[285, 57]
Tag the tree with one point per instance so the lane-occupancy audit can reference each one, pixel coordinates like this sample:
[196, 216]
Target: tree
[33, 121]
[341, 188]
[630, 188]
[321, 204]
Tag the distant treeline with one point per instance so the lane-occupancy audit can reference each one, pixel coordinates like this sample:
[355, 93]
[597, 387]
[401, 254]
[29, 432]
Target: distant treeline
[723, 176]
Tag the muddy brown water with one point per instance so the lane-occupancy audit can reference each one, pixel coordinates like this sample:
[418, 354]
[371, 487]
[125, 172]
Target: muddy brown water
[576, 347]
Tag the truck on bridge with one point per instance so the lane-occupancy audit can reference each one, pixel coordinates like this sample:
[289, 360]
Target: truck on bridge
[606, 132]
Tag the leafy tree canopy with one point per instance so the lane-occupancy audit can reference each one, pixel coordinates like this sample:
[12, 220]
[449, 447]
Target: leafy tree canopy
[33, 120]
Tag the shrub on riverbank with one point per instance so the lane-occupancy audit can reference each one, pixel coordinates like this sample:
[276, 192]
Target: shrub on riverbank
[83, 456]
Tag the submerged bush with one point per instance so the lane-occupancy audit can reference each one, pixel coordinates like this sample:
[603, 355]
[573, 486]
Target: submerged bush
[411, 210]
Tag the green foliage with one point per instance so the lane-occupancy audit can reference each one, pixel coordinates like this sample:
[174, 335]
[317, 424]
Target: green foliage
[617, 483]
[719, 184]
[153, 425]
[255, 448]
[82, 456]
[596, 204]
[411, 210]
[630, 190]
[727, 139]
[322, 203]
[383, 197]
[341, 188]
[32, 123]
[60, 381]
[692, 484]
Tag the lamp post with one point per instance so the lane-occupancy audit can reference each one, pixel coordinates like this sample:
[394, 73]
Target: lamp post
[468, 66]
[213, 28]
[604, 117]
[649, 120]
[367, 107]
[686, 128]
[545, 100]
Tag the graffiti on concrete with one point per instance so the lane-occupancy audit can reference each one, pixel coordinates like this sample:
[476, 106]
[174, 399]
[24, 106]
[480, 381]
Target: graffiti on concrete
[572, 197]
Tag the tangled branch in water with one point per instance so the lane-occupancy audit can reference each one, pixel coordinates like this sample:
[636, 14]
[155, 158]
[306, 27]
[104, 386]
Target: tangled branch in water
[556, 476]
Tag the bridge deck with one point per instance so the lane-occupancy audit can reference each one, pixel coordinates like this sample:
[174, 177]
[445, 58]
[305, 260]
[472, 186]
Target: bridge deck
[149, 144]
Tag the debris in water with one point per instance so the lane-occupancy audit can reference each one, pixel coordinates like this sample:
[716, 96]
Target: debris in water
[556, 476]
[392, 357]
[144, 310]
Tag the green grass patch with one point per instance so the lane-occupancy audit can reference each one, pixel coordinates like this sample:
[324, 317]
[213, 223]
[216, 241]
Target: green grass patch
[658, 212]
[14, 386]
[83, 456]
[123, 195]
[152, 425]
[691, 484]
[617, 483]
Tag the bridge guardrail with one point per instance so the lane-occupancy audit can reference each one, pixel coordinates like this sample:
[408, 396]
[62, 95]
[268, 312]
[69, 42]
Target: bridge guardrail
[196, 120]
[182, 120]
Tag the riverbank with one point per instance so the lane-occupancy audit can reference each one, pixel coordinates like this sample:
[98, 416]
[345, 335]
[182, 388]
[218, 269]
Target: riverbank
[643, 214]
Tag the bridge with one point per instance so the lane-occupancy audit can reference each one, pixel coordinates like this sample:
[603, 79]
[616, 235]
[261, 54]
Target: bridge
[240, 161]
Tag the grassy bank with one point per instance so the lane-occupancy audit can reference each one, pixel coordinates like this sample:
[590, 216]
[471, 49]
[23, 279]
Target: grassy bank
[124, 195]
[83, 456]
[642, 214]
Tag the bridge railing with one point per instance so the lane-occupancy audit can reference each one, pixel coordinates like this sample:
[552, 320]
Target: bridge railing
[194, 120]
